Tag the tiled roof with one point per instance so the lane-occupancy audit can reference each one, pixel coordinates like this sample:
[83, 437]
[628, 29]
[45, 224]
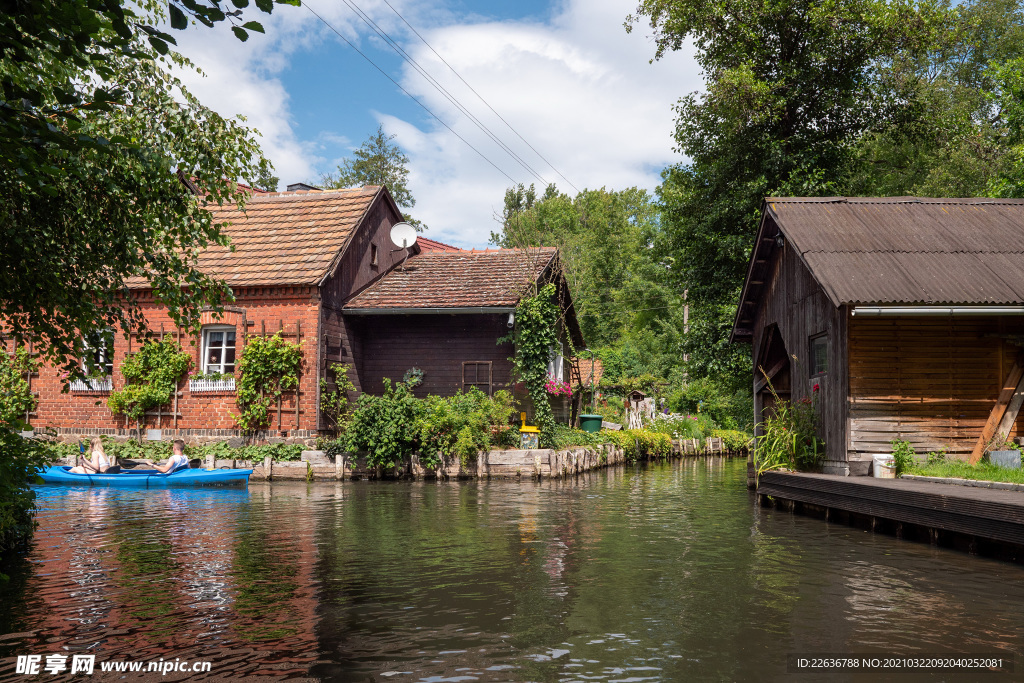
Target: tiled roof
[284, 238]
[427, 245]
[908, 250]
[456, 279]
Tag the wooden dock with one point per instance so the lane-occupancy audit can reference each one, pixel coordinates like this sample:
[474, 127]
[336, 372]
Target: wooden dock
[978, 520]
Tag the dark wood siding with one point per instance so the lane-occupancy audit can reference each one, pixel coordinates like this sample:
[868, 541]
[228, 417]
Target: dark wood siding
[436, 344]
[930, 381]
[795, 303]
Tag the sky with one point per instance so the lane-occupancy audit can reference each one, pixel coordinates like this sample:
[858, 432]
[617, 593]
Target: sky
[585, 108]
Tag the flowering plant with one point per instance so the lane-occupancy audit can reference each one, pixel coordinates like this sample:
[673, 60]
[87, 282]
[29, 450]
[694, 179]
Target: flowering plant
[557, 387]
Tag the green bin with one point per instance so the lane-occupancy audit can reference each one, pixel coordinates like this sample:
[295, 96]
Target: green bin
[591, 423]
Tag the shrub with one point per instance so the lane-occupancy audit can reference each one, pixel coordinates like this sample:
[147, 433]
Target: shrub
[461, 425]
[681, 426]
[789, 436]
[639, 444]
[567, 437]
[19, 457]
[733, 440]
[903, 456]
[385, 426]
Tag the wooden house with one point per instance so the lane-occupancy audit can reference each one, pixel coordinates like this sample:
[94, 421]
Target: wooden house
[907, 315]
[319, 267]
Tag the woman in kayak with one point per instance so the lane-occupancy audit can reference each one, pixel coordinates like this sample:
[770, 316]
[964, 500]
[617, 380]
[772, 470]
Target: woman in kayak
[99, 462]
[177, 460]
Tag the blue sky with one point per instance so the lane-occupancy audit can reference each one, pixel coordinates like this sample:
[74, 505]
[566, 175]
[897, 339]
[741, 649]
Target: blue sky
[564, 74]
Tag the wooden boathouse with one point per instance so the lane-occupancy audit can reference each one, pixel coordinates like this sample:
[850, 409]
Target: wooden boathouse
[906, 313]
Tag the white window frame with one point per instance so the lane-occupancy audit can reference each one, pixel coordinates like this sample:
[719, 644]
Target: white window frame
[556, 363]
[206, 348]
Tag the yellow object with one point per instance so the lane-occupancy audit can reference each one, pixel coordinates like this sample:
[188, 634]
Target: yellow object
[527, 429]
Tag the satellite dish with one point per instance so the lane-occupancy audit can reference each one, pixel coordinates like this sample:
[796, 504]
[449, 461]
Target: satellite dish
[403, 235]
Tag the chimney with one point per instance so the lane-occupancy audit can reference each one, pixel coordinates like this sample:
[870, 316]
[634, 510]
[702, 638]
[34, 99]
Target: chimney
[303, 186]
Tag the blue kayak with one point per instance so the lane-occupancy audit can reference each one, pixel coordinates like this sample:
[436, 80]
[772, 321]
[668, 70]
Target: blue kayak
[147, 478]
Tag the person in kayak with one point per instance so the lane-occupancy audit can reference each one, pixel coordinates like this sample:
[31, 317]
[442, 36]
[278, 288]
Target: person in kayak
[177, 461]
[98, 463]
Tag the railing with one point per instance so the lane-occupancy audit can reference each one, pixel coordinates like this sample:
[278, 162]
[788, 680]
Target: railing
[92, 384]
[211, 385]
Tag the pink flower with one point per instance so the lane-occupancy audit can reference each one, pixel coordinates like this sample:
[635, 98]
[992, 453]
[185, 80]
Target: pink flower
[64, 375]
[816, 387]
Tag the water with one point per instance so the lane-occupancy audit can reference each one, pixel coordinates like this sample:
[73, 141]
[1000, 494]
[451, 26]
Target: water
[666, 573]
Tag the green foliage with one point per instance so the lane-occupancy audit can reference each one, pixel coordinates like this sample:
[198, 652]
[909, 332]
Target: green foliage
[101, 135]
[19, 457]
[734, 440]
[377, 162]
[727, 408]
[639, 444]
[460, 426]
[789, 436]
[984, 471]
[334, 403]
[682, 426]
[567, 437]
[535, 334]
[903, 456]
[269, 366]
[151, 374]
[385, 426]
[604, 239]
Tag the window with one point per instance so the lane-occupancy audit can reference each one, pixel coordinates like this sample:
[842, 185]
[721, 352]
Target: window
[98, 354]
[373, 255]
[218, 350]
[555, 362]
[819, 355]
[477, 374]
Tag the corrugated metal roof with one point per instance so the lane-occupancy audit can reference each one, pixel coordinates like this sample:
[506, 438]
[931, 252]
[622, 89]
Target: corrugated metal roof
[908, 250]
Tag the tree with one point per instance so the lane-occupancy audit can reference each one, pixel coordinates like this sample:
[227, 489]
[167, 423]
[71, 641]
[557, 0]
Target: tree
[608, 245]
[113, 167]
[377, 162]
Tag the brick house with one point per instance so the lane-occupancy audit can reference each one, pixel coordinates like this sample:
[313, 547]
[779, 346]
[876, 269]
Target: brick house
[314, 266]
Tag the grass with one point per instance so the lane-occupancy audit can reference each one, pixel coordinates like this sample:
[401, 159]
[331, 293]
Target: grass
[961, 470]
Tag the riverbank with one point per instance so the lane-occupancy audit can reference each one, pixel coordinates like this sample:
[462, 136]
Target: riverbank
[979, 520]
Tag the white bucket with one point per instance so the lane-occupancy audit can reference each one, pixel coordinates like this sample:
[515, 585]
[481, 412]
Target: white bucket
[879, 469]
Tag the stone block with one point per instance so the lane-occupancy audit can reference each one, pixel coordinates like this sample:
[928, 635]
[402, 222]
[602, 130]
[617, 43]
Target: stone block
[1007, 459]
[315, 457]
[236, 442]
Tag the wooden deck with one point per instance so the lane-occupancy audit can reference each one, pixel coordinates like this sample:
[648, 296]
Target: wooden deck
[939, 513]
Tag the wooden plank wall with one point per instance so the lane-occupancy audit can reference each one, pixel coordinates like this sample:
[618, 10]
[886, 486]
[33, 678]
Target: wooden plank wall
[930, 381]
[795, 302]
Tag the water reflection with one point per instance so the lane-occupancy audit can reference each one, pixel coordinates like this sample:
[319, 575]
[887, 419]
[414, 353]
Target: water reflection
[669, 573]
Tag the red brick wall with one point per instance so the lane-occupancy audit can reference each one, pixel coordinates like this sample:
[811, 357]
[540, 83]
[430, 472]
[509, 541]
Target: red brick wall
[263, 309]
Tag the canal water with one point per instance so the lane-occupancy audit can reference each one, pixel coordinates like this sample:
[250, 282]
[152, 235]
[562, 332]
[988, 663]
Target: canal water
[663, 573]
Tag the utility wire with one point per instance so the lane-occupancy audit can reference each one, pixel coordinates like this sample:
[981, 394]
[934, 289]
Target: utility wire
[400, 51]
[411, 96]
[480, 97]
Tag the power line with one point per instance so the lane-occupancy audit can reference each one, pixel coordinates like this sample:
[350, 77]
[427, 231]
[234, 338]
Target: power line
[480, 97]
[400, 51]
[410, 95]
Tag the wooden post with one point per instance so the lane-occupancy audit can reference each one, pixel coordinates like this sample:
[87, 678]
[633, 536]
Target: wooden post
[1006, 393]
[298, 339]
[1012, 410]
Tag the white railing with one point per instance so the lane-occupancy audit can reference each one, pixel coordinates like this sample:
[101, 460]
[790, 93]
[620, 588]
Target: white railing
[201, 385]
[92, 384]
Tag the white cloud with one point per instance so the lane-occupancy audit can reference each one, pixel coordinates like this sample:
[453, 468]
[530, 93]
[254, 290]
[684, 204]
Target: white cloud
[577, 87]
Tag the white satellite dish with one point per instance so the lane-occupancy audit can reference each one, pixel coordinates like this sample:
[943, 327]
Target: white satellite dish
[403, 235]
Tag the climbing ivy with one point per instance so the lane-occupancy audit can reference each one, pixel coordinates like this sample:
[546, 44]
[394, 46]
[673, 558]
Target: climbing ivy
[151, 377]
[269, 367]
[535, 334]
